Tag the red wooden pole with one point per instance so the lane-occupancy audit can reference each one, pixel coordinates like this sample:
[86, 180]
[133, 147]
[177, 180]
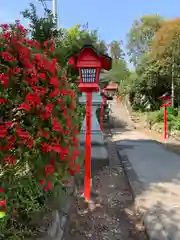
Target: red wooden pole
[165, 123]
[101, 116]
[87, 172]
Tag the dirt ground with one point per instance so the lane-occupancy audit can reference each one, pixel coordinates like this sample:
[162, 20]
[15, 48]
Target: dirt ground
[110, 215]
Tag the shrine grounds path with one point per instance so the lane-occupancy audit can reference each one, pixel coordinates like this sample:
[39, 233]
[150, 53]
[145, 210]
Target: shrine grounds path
[153, 171]
[111, 214]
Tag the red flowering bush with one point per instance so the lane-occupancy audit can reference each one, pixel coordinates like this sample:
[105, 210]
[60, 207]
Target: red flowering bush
[38, 124]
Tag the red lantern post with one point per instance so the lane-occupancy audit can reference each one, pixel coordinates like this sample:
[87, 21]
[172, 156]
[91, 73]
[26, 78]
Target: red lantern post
[89, 64]
[166, 102]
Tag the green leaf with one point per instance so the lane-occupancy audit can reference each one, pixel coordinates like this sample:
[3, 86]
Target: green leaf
[2, 214]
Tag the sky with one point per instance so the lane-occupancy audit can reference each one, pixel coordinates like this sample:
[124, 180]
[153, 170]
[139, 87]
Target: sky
[113, 18]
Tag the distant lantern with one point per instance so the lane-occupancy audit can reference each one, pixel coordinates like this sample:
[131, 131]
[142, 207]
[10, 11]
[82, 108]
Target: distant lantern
[166, 100]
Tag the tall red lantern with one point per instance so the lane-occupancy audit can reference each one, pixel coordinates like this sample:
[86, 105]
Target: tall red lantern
[166, 101]
[89, 64]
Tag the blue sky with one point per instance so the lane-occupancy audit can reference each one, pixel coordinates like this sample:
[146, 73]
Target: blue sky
[112, 18]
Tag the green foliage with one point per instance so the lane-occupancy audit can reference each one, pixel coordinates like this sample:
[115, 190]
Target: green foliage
[119, 71]
[158, 117]
[141, 35]
[116, 51]
[41, 28]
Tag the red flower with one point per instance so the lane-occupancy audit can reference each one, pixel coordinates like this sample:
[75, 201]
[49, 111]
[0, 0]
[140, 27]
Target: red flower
[7, 57]
[42, 91]
[49, 186]
[6, 35]
[76, 131]
[54, 81]
[24, 106]
[46, 147]
[9, 124]
[4, 79]
[42, 182]
[22, 134]
[10, 159]
[76, 153]
[65, 112]
[34, 99]
[30, 143]
[45, 44]
[16, 70]
[64, 153]
[51, 49]
[60, 101]
[37, 57]
[3, 100]
[64, 92]
[11, 139]
[49, 108]
[3, 203]
[39, 90]
[71, 93]
[1, 190]
[4, 26]
[56, 125]
[54, 93]
[57, 148]
[21, 28]
[8, 147]
[75, 141]
[75, 169]
[49, 169]
[3, 131]
[42, 76]
[45, 115]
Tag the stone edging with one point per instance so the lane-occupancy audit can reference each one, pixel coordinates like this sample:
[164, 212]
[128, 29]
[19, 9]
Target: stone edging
[154, 227]
[59, 219]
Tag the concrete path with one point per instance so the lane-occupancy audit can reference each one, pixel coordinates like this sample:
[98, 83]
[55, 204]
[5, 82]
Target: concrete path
[154, 175]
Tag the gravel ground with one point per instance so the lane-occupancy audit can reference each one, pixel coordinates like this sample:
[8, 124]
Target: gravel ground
[110, 214]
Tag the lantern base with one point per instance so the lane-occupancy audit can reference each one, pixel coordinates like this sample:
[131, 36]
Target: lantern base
[88, 87]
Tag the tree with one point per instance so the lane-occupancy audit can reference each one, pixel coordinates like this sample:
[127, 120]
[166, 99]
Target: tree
[127, 84]
[141, 35]
[166, 48]
[101, 47]
[119, 71]
[115, 50]
[41, 28]
[166, 44]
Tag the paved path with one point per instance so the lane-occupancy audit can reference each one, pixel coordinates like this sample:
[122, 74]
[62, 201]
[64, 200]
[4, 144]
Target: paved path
[154, 174]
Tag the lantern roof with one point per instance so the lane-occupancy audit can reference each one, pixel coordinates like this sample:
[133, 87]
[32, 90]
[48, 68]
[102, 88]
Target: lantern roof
[105, 60]
[165, 96]
[111, 86]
